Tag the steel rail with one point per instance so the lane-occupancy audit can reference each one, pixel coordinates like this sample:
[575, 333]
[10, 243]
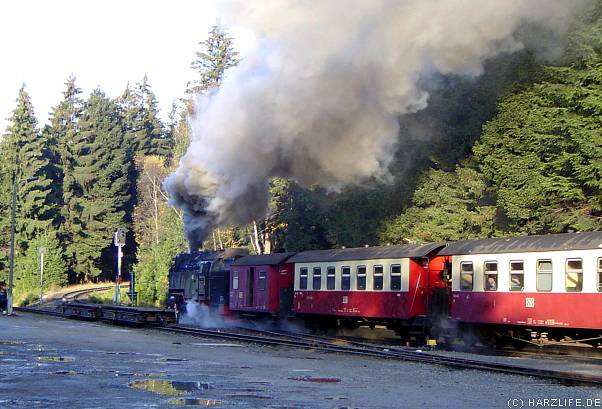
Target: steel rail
[72, 295]
[389, 353]
[38, 311]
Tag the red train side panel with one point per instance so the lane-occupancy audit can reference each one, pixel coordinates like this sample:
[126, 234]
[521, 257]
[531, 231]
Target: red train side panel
[369, 304]
[552, 281]
[375, 283]
[568, 310]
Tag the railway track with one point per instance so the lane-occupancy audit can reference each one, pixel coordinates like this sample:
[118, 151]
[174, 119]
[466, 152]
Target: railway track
[585, 354]
[341, 346]
[74, 295]
[376, 351]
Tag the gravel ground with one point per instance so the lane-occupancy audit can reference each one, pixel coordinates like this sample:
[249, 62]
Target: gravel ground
[49, 362]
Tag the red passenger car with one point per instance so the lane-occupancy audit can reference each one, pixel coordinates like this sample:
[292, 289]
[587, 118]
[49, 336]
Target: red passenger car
[548, 285]
[262, 284]
[388, 285]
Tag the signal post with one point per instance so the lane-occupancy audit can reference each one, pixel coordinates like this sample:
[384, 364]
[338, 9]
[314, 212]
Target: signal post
[119, 241]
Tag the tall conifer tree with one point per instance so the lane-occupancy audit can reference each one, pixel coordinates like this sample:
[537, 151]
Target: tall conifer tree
[216, 56]
[141, 120]
[25, 154]
[101, 186]
[60, 133]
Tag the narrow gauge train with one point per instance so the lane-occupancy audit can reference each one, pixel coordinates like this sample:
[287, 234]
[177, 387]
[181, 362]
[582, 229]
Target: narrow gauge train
[503, 288]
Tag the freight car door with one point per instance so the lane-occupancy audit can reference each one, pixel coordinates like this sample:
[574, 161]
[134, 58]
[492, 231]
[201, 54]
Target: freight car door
[251, 287]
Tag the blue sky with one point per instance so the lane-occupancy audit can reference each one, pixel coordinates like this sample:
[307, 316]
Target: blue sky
[103, 43]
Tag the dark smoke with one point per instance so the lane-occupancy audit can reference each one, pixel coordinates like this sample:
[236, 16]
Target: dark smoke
[318, 99]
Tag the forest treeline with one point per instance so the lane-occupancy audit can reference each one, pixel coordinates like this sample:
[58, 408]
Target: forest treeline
[515, 151]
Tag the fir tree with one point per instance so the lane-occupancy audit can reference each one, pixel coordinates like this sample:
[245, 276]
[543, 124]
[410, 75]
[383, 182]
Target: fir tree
[216, 56]
[60, 133]
[26, 163]
[101, 186]
[141, 119]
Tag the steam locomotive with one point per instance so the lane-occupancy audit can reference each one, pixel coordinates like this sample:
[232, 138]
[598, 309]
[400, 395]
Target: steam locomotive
[505, 289]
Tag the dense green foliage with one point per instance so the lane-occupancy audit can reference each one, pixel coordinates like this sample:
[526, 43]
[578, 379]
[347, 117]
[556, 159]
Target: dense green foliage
[60, 132]
[157, 228]
[26, 164]
[101, 186]
[538, 162]
[141, 119]
[543, 154]
[445, 206]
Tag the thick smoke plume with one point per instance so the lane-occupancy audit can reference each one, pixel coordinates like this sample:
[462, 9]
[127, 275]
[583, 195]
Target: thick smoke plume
[318, 98]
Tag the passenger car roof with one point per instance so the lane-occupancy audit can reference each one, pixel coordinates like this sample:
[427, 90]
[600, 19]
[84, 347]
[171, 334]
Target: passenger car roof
[263, 259]
[366, 253]
[198, 256]
[550, 242]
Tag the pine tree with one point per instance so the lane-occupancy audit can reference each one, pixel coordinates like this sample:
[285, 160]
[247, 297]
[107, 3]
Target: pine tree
[216, 56]
[101, 186]
[61, 131]
[141, 119]
[25, 154]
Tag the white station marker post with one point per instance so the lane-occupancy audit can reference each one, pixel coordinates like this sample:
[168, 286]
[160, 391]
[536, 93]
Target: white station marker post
[119, 241]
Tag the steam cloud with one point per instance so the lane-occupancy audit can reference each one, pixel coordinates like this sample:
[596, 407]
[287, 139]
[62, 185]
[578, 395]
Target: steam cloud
[318, 99]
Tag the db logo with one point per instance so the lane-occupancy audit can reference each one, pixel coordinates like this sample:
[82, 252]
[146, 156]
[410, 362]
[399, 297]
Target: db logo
[530, 302]
[515, 403]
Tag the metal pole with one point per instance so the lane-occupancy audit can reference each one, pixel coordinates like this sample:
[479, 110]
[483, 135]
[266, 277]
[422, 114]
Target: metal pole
[9, 295]
[118, 288]
[133, 288]
[41, 276]
[119, 241]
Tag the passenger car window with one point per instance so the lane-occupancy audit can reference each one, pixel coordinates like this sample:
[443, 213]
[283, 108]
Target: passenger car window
[517, 275]
[544, 275]
[330, 277]
[600, 274]
[490, 275]
[377, 278]
[466, 275]
[303, 279]
[395, 278]
[574, 275]
[345, 278]
[262, 280]
[317, 279]
[235, 280]
[361, 277]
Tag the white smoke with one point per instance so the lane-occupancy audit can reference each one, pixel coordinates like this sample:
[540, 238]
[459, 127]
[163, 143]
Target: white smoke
[319, 96]
[200, 315]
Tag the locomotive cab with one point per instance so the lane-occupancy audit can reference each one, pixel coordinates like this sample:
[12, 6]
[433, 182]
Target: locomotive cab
[201, 277]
